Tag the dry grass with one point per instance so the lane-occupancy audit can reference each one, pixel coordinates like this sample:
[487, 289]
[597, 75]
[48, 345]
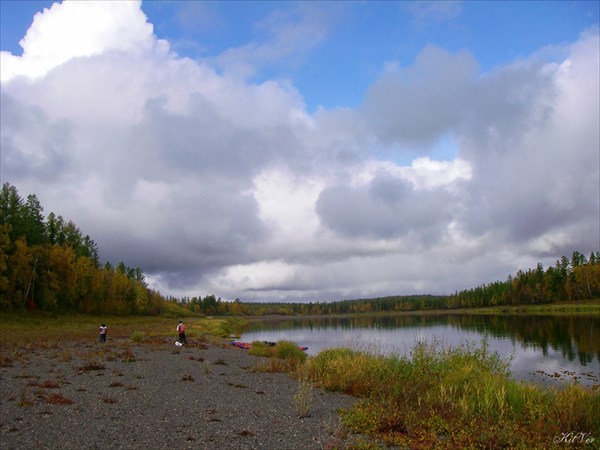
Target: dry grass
[49, 384]
[303, 398]
[91, 366]
[188, 377]
[58, 399]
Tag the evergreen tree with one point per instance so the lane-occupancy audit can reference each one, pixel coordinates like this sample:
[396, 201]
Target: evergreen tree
[11, 205]
[33, 221]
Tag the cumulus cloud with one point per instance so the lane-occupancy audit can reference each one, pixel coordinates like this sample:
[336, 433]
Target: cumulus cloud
[415, 105]
[387, 207]
[537, 164]
[215, 184]
[77, 29]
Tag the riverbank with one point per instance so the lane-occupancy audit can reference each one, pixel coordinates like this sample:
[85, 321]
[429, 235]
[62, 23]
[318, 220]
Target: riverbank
[433, 397]
[152, 394]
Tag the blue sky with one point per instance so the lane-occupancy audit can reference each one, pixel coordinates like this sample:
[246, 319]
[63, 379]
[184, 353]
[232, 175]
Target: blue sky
[309, 150]
[360, 36]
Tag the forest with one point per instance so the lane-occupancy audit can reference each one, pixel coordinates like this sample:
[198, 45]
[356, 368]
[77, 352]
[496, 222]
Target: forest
[49, 264]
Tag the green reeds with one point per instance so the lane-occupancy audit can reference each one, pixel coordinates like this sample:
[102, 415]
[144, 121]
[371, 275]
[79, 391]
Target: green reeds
[303, 398]
[285, 356]
[259, 348]
[451, 398]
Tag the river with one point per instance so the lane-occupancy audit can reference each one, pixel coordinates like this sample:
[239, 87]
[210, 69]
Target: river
[546, 349]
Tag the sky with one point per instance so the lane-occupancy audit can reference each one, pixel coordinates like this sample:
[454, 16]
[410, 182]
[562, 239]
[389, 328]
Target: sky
[318, 151]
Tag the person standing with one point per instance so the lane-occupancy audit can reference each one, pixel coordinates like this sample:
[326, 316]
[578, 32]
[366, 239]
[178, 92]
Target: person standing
[103, 330]
[181, 330]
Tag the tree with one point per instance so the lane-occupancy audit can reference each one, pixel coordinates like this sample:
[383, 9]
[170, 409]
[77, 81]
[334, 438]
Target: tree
[577, 259]
[33, 221]
[88, 286]
[209, 304]
[90, 249]
[19, 273]
[54, 226]
[4, 281]
[11, 204]
[62, 278]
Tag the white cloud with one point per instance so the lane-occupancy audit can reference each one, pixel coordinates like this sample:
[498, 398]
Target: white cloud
[75, 29]
[423, 173]
[536, 165]
[416, 105]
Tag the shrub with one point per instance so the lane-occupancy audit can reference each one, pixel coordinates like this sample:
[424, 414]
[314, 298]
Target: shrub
[288, 350]
[138, 336]
[260, 348]
[284, 356]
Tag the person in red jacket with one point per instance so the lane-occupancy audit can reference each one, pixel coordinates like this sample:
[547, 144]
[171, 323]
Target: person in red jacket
[103, 330]
[181, 330]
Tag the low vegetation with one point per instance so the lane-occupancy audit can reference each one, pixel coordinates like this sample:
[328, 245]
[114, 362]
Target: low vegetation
[452, 398]
[437, 397]
[285, 356]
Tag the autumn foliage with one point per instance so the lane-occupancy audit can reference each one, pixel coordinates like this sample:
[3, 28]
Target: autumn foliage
[49, 264]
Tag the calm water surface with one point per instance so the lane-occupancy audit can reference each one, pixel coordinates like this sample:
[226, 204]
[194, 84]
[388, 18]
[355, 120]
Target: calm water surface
[544, 349]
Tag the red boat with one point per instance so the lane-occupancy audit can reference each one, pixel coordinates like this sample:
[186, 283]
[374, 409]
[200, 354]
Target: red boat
[247, 345]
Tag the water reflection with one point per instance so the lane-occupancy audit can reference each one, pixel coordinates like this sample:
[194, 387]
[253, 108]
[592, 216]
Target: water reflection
[546, 348]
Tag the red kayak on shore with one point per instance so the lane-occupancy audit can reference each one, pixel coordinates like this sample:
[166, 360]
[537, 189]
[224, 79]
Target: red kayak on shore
[247, 345]
[243, 345]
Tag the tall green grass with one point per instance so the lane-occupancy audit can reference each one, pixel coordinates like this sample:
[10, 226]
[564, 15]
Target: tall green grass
[451, 398]
[285, 356]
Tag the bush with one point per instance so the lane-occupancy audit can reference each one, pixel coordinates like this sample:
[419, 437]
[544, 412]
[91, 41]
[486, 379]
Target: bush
[285, 356]
[288, 350]
[138, 336]
[260, 348]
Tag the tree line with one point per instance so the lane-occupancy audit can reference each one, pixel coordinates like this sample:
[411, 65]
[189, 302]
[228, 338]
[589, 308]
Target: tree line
[50, 264]
[572, 279]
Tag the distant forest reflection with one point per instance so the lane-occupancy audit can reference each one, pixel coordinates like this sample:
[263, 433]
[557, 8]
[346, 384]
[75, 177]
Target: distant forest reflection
[576, 337]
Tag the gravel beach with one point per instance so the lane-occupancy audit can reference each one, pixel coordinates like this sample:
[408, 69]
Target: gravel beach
[154, 395]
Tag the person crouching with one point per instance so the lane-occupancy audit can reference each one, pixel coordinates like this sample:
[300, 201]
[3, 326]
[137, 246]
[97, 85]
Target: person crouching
[181, 330]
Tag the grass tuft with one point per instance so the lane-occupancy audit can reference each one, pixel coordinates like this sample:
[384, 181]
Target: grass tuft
[138, 336]
[303, 398]
[58, 399]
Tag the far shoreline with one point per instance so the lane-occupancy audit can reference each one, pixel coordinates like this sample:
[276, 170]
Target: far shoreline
[589, 307]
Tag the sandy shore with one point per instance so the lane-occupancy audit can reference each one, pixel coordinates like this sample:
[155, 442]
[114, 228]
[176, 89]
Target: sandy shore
[154, 395]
